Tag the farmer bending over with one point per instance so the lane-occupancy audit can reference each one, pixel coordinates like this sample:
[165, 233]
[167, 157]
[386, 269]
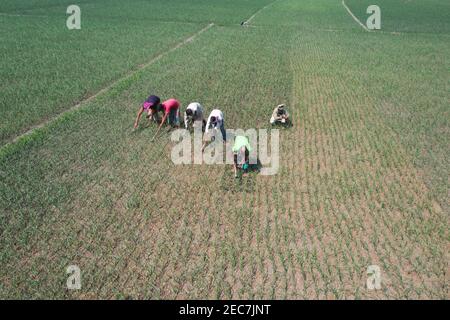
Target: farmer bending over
[193, 116]
[150, 106]
[171, 109]
[241, 153]
[215, 123]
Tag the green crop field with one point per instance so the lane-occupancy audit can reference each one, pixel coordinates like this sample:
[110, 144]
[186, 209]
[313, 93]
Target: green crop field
[364, 170]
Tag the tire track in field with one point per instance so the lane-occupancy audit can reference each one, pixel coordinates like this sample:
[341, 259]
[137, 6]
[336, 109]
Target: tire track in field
[354, 17]
[2, 14]
[107, 88]
[258, 11]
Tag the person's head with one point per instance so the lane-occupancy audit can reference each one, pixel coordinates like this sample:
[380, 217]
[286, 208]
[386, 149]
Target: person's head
[152, 97]
[213, 121]
[155, 108]
[189, 113]
[281, 109]
[158, 108]
[151, 112]
[153, 100]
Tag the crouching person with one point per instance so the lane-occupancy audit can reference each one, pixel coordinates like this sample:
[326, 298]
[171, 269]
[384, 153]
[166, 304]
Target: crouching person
[241, 154]
[280, 115]
[171, 109]
[193, 116]
[215, 124]
[151, 107]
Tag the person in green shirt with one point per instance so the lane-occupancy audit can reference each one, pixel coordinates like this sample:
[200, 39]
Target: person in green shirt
[241, 153]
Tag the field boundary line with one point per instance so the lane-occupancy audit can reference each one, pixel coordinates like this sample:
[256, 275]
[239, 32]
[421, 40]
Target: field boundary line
[354, 17]
[108, 87]
[2, 14]
[258, 11]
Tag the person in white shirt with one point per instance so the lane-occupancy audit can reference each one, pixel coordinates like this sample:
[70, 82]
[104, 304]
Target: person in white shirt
[194, 115]
[280, 115]
[214, 124]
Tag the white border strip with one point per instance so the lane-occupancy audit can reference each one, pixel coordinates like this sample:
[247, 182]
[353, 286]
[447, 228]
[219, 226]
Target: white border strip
[354, 17]
[105, 89]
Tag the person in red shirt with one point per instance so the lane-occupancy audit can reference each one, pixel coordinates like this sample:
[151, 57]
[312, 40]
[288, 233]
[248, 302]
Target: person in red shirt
[171, 109]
